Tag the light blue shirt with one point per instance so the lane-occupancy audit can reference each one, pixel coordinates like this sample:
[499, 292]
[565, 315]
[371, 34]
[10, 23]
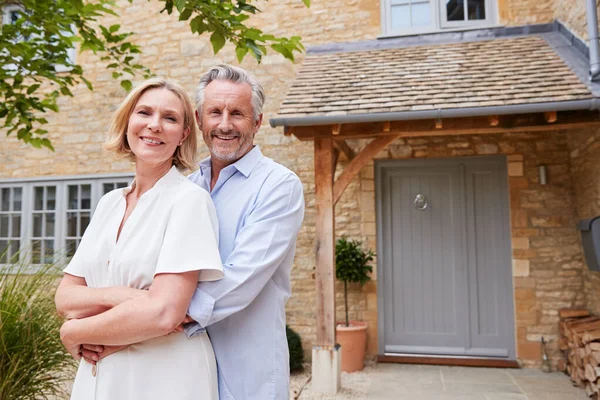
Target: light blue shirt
[260, 207]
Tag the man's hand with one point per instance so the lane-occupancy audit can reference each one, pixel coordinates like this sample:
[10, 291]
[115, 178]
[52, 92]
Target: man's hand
[180, 327]
[93, 353]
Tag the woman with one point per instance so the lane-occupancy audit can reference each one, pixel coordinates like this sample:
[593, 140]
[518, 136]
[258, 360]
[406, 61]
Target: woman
[159, 234]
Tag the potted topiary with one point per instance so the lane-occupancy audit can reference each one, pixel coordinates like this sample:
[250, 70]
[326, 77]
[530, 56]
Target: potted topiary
[352, 266]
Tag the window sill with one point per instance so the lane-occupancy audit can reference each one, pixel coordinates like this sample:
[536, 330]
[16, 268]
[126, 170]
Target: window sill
[438, 31]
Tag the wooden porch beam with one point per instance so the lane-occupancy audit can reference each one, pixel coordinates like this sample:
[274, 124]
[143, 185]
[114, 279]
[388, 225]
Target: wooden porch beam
[344, 148]
[362, 159]
[458, 126]
[336, 158]
[324, 249]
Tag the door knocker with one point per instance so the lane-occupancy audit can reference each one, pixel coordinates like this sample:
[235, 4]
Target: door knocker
[421, 202]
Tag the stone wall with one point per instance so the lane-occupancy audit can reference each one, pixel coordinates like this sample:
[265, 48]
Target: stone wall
[572, 14]
[585, 165]
[547, 259]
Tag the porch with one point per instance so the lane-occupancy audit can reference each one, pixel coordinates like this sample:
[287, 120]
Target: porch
[430, 382]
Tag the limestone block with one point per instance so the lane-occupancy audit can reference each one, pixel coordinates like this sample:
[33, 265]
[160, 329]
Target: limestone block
[520, 268]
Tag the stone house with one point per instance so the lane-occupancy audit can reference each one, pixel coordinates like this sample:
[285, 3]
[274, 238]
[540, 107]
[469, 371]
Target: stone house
[467, 143]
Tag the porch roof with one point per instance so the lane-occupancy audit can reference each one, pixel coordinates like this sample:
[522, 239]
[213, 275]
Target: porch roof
[479, 77]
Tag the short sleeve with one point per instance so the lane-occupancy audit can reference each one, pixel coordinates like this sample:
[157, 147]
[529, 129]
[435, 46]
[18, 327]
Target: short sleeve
[190, 242]
[79, 264]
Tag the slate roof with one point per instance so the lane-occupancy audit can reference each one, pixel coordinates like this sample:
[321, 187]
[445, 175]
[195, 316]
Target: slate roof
[505, 71]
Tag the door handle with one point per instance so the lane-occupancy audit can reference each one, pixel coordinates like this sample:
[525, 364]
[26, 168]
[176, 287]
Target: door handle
[421, 203]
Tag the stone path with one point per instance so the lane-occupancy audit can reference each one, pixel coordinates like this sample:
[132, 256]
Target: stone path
[421, 382]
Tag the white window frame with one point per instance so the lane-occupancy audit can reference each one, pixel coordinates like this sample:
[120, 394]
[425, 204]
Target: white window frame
[61, 209]
[7, 11]
[439, 21]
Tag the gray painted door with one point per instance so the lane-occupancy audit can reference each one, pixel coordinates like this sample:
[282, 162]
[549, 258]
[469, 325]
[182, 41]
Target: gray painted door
[445, 275]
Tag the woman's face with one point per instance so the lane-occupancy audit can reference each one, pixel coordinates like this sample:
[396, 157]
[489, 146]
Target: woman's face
[155, 127]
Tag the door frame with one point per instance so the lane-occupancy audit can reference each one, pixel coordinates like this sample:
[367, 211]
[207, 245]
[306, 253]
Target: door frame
[380, 166]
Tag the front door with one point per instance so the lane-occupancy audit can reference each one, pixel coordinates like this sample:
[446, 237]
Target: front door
[444, 256]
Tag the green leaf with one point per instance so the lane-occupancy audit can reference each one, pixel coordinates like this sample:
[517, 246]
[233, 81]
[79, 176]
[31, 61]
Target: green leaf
[186, 14]
[180, 5]
[241, 52]
[126, 84]
[253, 33]
[114, 28]
[218, 41]
[306, 3]
[33, 88]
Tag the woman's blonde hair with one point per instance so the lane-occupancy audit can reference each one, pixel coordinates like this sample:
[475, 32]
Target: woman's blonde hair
[185, 155]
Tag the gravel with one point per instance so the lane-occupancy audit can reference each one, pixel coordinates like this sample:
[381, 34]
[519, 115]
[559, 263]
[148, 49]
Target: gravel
[354, 386]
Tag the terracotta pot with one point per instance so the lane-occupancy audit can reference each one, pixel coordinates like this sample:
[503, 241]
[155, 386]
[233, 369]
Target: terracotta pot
[353, 340]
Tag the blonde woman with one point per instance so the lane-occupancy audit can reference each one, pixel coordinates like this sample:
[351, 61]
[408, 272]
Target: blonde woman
[131, 280]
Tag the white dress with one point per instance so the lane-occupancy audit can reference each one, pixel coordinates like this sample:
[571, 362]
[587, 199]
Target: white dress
[172, 229]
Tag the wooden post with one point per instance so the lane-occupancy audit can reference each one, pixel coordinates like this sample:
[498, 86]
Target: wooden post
[326, 372]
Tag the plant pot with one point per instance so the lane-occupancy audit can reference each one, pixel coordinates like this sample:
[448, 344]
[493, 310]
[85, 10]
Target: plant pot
[353, 340]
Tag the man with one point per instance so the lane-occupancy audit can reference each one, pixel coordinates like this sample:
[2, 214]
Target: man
[260, 206]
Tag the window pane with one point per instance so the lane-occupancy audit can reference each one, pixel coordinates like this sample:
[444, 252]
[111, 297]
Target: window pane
[48, 251]
[16, 226]
[71, 246]
[476, 9]
[107, 187]
[121, 185]
[37, 225]
[51, 198]
[421, 14]
[14, 250]
[4, 226]
[3, 251]
[86, 197]
[49, 225]
[38, 198]
[72, 224]
[400, 17]
[73, 198]
[36, 250]
[17, 199]
[5, 194]
[85, 221]
[455, 10]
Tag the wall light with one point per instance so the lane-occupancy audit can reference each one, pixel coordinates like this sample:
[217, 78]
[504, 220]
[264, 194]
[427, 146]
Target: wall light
[543, 175]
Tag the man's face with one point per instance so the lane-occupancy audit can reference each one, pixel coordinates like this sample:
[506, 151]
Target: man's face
[227, 122]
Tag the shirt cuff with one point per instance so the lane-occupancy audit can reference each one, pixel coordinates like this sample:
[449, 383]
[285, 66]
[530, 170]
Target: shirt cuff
[200, 309]
[192, 329]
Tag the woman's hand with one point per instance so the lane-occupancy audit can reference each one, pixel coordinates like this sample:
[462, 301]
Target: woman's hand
[93, 353]
[66, 336]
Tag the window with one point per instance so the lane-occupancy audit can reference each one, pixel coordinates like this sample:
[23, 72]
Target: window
[44, 221]
[422, 16]
[11, 215]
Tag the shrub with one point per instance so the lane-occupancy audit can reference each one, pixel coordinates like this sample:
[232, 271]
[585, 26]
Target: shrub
[295, 347]
[33, 362]
[352, 265]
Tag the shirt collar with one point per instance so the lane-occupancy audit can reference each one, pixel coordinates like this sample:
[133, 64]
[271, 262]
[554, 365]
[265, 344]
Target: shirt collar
[244, 165]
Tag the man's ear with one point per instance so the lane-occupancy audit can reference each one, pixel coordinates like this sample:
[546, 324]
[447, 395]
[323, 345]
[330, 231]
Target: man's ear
[258, 123]
[198, 120]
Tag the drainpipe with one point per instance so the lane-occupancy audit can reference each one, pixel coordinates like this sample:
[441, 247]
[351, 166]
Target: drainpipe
[592, 22]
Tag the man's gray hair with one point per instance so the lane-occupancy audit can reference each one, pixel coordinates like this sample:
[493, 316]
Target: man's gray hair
[233, 74]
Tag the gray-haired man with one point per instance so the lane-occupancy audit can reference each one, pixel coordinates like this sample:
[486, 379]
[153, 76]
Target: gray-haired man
[260, 206]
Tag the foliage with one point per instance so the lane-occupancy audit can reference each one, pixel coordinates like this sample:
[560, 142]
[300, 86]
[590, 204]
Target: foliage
[32, 357]
[35, 67]
[295, 347]
[352, 265]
